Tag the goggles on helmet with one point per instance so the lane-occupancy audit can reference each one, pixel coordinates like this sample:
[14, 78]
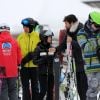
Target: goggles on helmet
[96, 25]
[4, 27]
[25, 22]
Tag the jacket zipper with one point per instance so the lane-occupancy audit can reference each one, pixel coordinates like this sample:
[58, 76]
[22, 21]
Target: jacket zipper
[29, 48]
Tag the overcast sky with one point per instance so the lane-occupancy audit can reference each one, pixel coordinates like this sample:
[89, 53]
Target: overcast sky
[49, 12]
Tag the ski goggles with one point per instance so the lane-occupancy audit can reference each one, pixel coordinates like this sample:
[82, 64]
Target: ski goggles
[25, 22]
[96, 25]
[4, 27]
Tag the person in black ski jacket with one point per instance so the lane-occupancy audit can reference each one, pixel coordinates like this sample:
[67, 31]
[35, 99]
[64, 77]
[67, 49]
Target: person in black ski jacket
[73, 26]
[44, 59]
[81, 78]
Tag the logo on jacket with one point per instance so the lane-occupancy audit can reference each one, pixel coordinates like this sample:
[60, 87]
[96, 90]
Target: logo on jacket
[6, 48]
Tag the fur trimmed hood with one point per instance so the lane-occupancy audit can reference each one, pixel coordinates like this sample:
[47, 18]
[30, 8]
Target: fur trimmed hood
[74, 27]
[74, 30]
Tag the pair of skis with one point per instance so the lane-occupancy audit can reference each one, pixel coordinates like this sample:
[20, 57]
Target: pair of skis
[65, 78]
[71, 89]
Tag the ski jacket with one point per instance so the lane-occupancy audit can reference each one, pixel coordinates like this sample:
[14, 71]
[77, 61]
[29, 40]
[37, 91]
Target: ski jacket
[38, 28]
[43, 59]
[76, 53]
[28, 42]
[89, 42]
[74, 30]
[76, 50]
[10, 55]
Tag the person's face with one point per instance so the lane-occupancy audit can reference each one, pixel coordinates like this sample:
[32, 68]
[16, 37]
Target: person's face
[26, 29]
[67, 25]
[49, 39]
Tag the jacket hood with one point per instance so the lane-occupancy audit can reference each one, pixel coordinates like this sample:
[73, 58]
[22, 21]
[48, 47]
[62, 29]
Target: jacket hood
[5, 36]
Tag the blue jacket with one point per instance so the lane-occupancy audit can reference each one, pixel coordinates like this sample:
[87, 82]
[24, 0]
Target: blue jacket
[89, 42]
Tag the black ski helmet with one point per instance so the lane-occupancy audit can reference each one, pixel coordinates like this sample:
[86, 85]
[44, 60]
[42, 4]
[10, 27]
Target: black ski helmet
[28, 22]
[44, 34]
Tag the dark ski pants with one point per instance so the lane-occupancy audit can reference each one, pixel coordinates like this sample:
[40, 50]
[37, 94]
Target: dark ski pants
[29, 76]
[9, 89]
[43, 86]
[50, 87]
[82, 84]
[46, 86]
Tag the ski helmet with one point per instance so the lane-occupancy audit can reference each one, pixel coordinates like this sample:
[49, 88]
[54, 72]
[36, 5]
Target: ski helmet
[94, 17]
[28, 22]
[4, 27]
[44, 34]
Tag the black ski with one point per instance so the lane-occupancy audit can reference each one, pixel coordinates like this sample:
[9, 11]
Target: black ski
[56, 66]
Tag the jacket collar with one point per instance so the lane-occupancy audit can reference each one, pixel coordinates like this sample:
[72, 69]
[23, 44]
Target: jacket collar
[74, 27]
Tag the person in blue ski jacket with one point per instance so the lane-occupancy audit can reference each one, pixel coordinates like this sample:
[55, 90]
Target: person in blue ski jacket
[89, 41]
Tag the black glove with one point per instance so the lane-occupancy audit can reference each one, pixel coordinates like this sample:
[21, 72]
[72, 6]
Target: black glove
[27, 58]
[23, 62]
[2, 70]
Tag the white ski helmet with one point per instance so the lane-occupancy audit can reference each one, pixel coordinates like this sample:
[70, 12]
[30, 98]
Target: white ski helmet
[44, 34]
[4, 27]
